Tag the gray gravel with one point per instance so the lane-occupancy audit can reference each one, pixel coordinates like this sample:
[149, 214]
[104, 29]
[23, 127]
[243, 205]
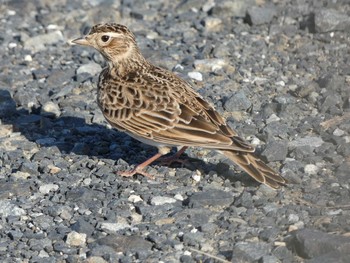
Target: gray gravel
[277, 70]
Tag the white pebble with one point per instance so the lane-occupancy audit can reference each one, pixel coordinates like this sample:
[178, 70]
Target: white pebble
[195, 75]
[11, 12]
[12, 45]
[310, 169]
[161, 200]
[179, 247]
[273, 118]
[52, 27]
[197, 176]
[338, 132]
[135, 198]
[76, 239]
[28, 58]
[43, 254]
[179, 197]
[51, 109]
[293, 218]
[91, 68]
[46, 188]
[281, 83]
[179, 66]
[113, 227]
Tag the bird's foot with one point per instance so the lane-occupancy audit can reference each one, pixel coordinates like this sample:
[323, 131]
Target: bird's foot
[172, 159]
[135, 171]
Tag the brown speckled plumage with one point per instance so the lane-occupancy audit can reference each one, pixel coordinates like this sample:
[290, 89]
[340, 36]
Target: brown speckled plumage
[156, 107]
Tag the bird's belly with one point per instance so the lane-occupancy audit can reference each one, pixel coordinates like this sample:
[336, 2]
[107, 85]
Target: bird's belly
[149, 141]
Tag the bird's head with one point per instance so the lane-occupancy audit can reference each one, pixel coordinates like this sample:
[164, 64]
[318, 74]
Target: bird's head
[114, 41]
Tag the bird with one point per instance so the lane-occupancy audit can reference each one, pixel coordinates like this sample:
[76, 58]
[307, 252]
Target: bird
[156, 107]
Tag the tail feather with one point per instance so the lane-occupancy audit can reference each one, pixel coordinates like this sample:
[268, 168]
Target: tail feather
[256, 168]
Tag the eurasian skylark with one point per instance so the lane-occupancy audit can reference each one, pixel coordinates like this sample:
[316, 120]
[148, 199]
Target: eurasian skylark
[156, 107]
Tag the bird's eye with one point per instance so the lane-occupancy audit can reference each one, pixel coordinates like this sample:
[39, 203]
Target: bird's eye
[105, 38]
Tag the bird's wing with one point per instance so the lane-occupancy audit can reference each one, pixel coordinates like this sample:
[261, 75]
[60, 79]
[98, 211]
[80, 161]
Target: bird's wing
[159, 106]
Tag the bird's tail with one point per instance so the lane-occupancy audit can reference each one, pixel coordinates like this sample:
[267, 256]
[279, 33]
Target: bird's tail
[256, 168]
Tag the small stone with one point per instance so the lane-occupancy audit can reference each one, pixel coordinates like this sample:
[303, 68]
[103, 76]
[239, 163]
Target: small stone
[179, 197]
[338, 132]
[43, 254]
[12, 45]
[50, 109]
[21, 175]
[237, 102]
[197, 176]
[313, 142]
[53, 169]
[212, 23]
[210, 198]
[76, 239]
[211, 65]
[7, 104]
[113, 227]
[11, 12]
[125, 243]
[195, 75]
[5, 130]
[273, 118]
[235, 8]
[91, 68]
[95, 259]
[37, 43]
[46, 188]
[260, 15]
[293, 218]
[311, 169]
[83, 226]
[275, 151]
[327, 20]
[179, 247]
[312, 243]
[9, 209]
[161, 200]
[28, 58]
[135, 198]
[249, 252]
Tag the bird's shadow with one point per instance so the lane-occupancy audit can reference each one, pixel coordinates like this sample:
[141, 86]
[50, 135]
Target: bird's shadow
[71, 134]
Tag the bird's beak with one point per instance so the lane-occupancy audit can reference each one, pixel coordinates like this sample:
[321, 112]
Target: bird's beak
[80, 41]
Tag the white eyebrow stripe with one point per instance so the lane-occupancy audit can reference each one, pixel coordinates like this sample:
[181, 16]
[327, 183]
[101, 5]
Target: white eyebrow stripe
[113, 34]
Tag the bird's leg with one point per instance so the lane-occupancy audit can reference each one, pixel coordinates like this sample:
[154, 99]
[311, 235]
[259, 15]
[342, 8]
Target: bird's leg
[174, 158]
[140, 167]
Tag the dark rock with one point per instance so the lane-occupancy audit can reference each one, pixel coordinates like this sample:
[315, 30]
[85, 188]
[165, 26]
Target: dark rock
[334, 256]
[29, 167]
[193, 239]
[7, 105]
[275, 151]
[249, 252]
[125, 243]
[83, 226]
[232, 8]
[61, 246]
[237, 102]
[244, 200]
[312, 243]
[260, 15]
[58, 76]
[276, 129]
[210, 198]
[327, 20]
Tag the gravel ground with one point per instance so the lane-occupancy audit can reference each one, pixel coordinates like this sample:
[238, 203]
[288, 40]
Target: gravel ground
[277, 70]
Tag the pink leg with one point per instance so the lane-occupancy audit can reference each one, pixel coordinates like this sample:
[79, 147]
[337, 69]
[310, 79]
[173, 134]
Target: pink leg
[140, 167]
[174, 158]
